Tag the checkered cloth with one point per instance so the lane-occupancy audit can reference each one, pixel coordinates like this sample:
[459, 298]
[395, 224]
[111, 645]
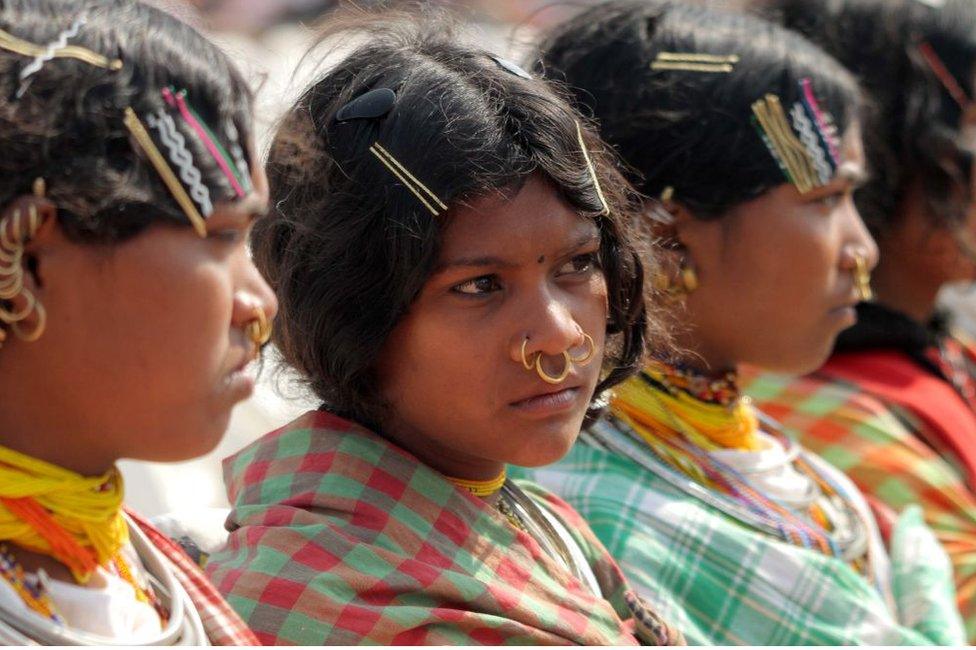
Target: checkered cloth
[880, 447]
[339, 537]
[722, 583]
[222, 624]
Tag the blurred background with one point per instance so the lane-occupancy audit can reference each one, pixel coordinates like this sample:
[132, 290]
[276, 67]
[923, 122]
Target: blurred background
[269, 40]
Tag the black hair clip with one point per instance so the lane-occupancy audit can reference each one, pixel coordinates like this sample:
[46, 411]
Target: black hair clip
[509, 66]
[370, 105]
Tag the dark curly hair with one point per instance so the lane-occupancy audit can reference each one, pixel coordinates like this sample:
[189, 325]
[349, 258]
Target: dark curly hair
[912, 129]
[348, 248]
[689, 130]
[68, 126]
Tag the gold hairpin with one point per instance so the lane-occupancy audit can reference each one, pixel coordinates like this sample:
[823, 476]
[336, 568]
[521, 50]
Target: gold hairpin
[16, 45]
[694, 62]
[785, 147]
[409, 181]
[145, 141]
[589, 165]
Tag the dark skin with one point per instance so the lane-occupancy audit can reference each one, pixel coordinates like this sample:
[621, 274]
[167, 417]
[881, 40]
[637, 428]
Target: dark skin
[510, 270]
[144, 353]
[755, 304]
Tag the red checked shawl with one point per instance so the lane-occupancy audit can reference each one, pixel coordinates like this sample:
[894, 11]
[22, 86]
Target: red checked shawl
[340, 537]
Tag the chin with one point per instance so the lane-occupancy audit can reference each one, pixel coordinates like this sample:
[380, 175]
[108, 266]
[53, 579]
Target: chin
[544, 449]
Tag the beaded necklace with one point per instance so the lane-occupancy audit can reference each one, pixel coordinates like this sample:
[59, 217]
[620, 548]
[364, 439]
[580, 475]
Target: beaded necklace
[829, 523]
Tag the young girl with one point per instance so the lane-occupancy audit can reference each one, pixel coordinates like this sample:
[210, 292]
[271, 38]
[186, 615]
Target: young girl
[894, 405]
[747, 138]
[128, 310]
[450, 248]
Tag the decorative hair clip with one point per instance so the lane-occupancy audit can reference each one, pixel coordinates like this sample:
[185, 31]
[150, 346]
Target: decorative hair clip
[945, 77]
[589, 166]
[807, 161]
[197, 203]
[237, 180]
[374, 104]
[509, 66]
[409, 181]
[695, 62]
[60, 42]
[158, 161]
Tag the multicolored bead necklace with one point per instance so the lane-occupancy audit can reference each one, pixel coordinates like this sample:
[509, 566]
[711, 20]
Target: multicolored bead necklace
[682, 434]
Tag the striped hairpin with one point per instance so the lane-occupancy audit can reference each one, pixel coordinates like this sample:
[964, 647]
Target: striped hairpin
[418, 189]
[589, 166]
[805, 146]
[695, 62]
[227, 165]
[945, 77]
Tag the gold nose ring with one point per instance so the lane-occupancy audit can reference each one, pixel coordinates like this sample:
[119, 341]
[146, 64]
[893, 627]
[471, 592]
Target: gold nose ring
[258, 329]
[590, 353]
[561, 377]
[862, 278]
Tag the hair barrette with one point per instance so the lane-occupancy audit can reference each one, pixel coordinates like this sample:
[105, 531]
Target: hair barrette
[695, 62]
[589, 166]
[510, 66]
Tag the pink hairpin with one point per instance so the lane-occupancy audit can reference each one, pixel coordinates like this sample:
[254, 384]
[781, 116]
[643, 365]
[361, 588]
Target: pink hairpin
[177, 101]
[821, 119]
[949, 82]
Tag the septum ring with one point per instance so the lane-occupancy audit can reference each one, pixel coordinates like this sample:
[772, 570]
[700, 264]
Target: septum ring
[568, 361]
[258, 329]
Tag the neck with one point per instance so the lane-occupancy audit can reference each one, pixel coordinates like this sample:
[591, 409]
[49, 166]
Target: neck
[32, 424]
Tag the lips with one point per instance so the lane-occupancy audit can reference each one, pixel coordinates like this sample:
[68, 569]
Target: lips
[549, 402]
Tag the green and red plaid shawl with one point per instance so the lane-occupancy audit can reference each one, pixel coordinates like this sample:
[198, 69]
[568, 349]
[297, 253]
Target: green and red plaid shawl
[880, 446]
[340, 537]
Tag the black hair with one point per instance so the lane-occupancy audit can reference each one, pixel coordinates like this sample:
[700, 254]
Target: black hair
[689, 130]
[67, 127]
[912, 130]
[348, 248]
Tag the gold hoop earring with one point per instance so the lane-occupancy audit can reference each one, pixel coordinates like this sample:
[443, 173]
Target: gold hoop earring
[525, 362]
[549, 379]
[586, 358]
[15, 317]
[862, 278]
[39, 327]
[258, 329]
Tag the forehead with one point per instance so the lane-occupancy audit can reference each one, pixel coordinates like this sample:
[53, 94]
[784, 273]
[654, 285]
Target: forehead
[852, 145]
[535, 221]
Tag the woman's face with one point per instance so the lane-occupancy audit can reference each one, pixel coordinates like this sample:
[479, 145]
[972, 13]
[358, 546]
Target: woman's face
[510, 271]
[145, 348]
[776, 273]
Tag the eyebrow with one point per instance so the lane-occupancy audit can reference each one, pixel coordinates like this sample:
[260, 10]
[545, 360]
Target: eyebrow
[498, 262]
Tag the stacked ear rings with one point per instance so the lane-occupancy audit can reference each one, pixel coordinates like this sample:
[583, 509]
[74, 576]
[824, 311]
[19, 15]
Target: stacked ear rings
[535, 363]
[15, 230]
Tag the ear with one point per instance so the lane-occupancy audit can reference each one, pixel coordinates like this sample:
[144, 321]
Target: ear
[28, 222]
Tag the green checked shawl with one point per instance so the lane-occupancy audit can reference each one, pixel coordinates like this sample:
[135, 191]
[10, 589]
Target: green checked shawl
[340, 537]
[722, 583]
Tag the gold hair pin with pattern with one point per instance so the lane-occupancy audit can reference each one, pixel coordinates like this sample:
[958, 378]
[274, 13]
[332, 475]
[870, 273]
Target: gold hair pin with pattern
[16, 45]
[418, 189]
[789, 152]
[589, 166]
[695, 62]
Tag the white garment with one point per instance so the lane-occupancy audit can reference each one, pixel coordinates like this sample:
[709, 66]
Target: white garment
[770, 471]
[107, 606]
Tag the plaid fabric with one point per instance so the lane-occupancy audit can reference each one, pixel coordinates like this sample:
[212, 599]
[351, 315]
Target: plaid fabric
[722, 583]
[339, 537]
[880, 447]
[223, 625]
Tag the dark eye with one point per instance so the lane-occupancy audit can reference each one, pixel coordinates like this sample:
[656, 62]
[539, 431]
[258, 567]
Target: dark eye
[479, 286]
[579, 264]
[228, 236]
